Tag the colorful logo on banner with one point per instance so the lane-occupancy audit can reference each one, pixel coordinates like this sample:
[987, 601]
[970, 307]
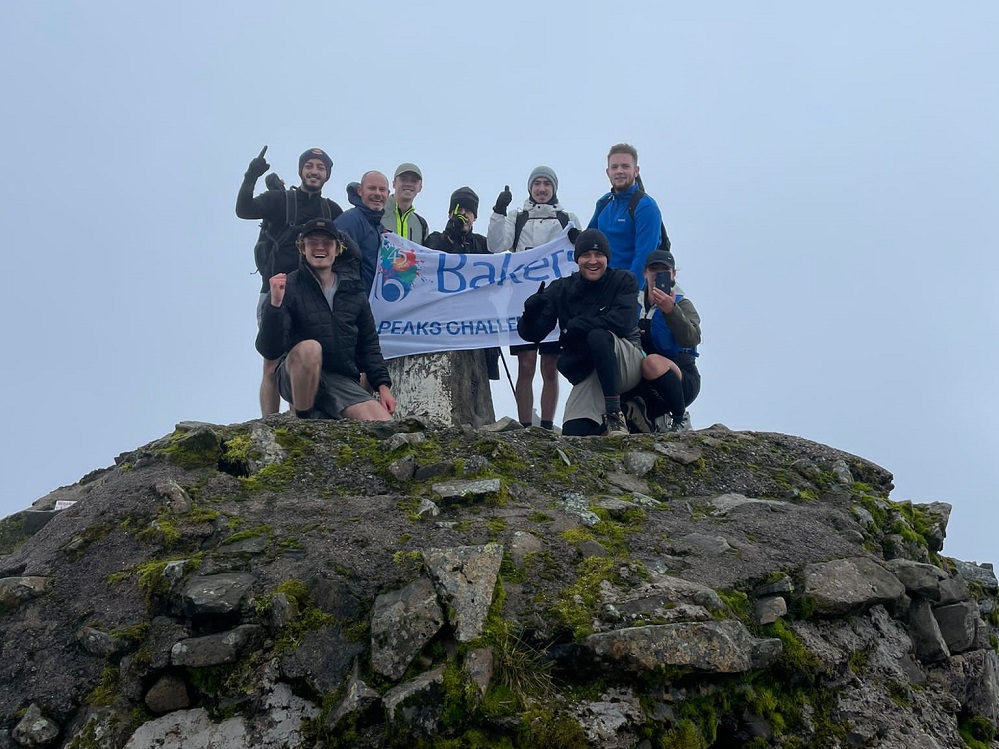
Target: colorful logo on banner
[399, 271]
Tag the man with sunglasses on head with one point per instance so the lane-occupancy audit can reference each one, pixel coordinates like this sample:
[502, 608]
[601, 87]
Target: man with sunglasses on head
[318, 326]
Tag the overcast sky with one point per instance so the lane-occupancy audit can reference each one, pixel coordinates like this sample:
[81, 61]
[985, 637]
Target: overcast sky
[829, 178]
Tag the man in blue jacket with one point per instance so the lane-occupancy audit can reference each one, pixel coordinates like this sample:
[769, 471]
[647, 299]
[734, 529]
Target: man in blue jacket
[363, 222]
[633, 231]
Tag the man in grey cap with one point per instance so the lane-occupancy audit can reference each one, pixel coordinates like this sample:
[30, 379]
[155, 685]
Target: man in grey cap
[400, 217]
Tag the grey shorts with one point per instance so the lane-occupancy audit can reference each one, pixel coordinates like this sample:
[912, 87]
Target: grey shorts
[586, 401]
[336, 392]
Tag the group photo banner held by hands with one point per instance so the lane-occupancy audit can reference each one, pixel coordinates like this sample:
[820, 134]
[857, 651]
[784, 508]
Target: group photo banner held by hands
[425, 301]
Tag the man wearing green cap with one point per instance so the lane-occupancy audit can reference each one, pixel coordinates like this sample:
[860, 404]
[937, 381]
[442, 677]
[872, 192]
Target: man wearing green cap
[400, 216]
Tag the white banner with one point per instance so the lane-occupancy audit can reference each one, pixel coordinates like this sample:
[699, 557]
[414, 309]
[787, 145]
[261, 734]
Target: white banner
[424, 300]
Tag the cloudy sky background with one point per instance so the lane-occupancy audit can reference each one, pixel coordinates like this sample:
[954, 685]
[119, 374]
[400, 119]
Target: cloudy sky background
[830, 180]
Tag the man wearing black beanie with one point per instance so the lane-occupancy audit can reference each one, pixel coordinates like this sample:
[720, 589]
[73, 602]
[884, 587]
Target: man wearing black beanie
[479, 365]
[458, 236]
[284, 213]
[596, 310]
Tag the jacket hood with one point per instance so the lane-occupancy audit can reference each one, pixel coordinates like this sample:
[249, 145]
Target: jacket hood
[373, 217]
[543, 209]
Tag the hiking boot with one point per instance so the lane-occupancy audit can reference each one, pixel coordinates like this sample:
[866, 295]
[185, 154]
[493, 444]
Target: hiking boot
[637, 417]
[683, 425]
[614, 425]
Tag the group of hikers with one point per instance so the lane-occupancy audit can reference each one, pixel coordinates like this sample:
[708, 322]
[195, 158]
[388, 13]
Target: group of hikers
[627, 334]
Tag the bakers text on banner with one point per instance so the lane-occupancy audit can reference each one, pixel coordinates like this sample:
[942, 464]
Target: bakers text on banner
[425, 301]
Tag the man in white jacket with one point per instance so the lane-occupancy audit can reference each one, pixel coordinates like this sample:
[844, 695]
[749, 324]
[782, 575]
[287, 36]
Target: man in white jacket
[539, 221]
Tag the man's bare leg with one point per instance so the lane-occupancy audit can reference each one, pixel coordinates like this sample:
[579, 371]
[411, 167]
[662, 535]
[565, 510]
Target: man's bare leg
[549, 386]
[304, 364]
[270, 400]
[524, 391]
[367, 411]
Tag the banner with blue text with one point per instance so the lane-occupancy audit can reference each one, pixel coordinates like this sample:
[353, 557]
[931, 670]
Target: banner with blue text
[426, 301]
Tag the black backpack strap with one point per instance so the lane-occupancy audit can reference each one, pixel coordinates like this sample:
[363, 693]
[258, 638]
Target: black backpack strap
[518, 226]
[290, 208]
[603, 204]
[426, 227]
[633, 203]
[636, 198]
[324, 206]
[563, 218]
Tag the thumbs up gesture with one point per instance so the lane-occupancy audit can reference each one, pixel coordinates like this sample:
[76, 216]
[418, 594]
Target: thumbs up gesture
[503, 201]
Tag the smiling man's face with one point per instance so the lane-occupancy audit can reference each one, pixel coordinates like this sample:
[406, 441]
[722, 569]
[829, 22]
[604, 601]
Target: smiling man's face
[314, 175]
[320, 250]
[592, 265]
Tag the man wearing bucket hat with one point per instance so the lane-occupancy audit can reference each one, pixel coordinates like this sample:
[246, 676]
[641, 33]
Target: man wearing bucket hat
[283, 213]
[541, 220]
[597, 315]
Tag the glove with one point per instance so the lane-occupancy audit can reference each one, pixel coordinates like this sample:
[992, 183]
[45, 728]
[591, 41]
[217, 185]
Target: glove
[456, 227]
[537, 303]
[258, 166]
[503, 201]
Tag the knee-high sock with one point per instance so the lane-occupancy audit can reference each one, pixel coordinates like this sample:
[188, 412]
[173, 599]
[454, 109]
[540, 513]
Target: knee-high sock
[601, 343]
[671, 390]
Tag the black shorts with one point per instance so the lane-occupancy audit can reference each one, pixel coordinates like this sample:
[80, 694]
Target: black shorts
[545, 347]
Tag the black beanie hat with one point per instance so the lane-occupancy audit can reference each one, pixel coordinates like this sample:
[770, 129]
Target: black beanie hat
[316, 153]
[466, 198]
[590, 239]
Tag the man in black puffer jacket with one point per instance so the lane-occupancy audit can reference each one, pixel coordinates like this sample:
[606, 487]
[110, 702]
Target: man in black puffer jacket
[319, 326]
[596, 309]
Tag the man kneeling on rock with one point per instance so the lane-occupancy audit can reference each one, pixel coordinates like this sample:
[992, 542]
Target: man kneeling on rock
[319, 325]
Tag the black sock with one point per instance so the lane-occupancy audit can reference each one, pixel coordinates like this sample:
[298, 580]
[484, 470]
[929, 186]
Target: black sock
[549, 425]
[670, 389]
[612, 403]
[525, 424]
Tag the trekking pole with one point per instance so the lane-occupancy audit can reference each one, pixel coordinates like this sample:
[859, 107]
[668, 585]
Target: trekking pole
[508, 377]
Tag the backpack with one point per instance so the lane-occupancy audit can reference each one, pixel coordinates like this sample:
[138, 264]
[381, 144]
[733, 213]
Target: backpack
[523, 218]
[632, 204]
[274, 235]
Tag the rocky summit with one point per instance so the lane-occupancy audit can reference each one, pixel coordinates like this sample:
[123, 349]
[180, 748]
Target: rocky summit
[287, 583]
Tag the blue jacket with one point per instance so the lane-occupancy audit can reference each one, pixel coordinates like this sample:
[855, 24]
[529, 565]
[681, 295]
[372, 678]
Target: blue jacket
[630, 241]
[364, 226]
[662, 339]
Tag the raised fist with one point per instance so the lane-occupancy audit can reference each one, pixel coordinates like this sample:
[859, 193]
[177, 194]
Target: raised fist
[278, 283]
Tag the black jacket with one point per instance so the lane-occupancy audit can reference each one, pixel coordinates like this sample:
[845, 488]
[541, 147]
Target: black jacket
[469, 244]
[346, 333]
[272, 207]
[579, 306]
